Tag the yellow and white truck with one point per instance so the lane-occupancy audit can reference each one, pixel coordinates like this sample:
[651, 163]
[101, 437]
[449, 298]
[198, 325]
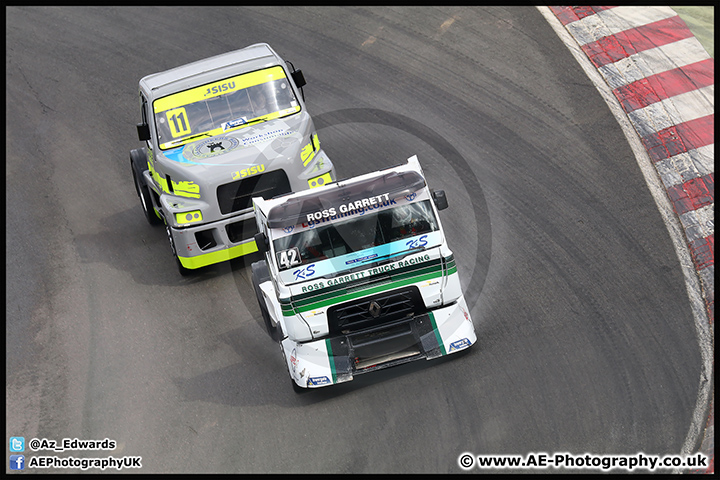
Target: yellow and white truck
[216, 133]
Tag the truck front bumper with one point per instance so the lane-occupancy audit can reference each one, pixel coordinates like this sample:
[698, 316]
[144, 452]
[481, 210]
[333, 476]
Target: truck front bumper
[206, 244]
[338, 358]
[215, 242]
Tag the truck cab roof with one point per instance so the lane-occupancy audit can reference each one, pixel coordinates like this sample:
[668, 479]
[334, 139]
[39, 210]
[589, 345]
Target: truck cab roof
[293, 208]
[248, 59]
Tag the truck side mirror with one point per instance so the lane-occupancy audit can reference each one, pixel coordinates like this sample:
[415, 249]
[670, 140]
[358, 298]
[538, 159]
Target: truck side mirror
[440, 199]
[262, 242]
[143, 130]
[298, 78]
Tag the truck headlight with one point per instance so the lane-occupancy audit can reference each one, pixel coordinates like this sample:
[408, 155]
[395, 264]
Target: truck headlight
[319, 167]
[188, 217]
[320, 181]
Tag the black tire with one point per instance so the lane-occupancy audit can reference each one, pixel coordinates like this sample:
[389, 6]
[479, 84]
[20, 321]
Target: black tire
[297, 388]
[137, 162]
[260, 274]
[183, 271]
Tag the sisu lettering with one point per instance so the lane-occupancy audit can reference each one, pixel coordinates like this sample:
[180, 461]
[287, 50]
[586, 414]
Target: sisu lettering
[220, 88]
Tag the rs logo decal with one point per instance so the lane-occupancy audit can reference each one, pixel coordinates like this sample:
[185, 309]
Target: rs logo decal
[303, 273]
[417, 243]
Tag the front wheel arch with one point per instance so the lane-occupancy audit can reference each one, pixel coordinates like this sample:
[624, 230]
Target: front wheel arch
[137, 162]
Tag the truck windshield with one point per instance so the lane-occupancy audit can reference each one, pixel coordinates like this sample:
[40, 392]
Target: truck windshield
[357, 240]
[222, 106]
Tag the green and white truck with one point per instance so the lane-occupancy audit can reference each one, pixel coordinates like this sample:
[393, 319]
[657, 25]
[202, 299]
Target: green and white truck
[357, 276]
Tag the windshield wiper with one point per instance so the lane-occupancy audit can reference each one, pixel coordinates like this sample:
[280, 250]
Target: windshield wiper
[256, 120]
[193, 137]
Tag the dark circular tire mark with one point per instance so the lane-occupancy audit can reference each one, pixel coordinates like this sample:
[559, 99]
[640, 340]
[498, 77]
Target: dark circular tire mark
[451, 155]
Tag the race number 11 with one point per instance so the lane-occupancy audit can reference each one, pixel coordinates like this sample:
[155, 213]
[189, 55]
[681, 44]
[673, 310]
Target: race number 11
[177, 119]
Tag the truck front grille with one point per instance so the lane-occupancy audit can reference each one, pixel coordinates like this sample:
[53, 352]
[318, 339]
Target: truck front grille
[375, 310]
[237, 196]
[242, 230]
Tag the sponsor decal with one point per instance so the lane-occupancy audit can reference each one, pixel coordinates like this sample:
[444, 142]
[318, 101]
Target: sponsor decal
[247, 172]
[319, 381]
[214, 146]
[363, 274]
[218, 89]
[293, 360]
[460, 344]
[361, 259]
[263, 136]
[417, 242]
[357, 206]
[305, 272]
[233, 123]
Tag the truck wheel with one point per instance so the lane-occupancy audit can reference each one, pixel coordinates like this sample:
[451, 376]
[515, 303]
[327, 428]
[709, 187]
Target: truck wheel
[183, 271]
[261, 274]
[297, 388]
[142, 189]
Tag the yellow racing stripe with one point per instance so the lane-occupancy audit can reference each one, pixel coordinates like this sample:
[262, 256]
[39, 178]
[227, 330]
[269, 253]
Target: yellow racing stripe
[218, 88]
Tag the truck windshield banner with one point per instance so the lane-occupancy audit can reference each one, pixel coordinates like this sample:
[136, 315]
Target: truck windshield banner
[221, 87]
[357, 260]
[356, 206]
[355, 234]
[217, 108]
[342, 211]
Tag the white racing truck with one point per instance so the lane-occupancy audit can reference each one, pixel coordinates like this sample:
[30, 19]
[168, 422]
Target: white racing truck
[216, 133]
[357, 276]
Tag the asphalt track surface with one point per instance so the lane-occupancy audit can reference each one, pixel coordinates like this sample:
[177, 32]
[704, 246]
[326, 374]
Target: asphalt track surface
[586, 336]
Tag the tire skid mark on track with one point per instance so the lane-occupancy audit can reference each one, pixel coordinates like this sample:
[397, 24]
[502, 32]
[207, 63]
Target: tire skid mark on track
[445, 150]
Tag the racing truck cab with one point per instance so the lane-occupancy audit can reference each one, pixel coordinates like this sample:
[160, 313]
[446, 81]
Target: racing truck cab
[216, 133]
[357, 276]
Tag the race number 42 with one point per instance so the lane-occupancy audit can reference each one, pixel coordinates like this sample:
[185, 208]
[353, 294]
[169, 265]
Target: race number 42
[289, 258]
